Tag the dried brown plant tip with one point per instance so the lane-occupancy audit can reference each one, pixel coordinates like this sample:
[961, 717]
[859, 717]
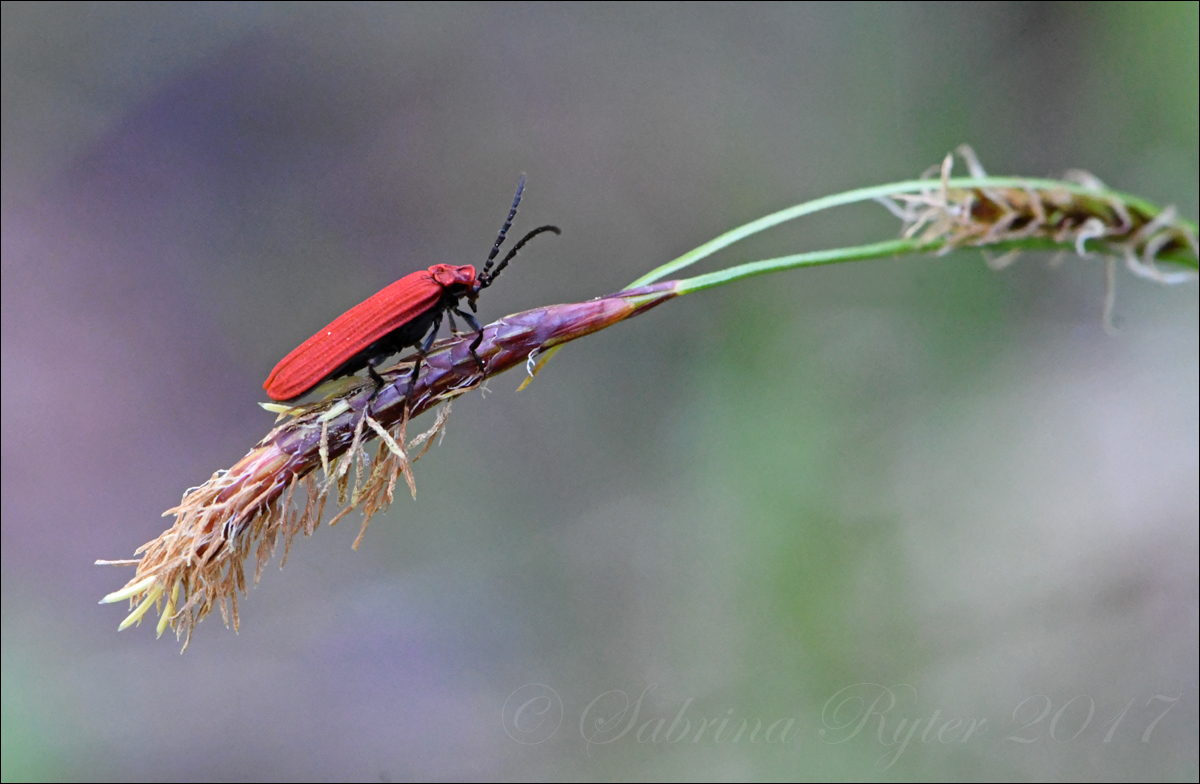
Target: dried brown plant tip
[985, 217]
[274, 492]
[982, 217]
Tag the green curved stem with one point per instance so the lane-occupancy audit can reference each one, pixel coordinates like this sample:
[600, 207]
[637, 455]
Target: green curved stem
[876, 250]
[876, 192]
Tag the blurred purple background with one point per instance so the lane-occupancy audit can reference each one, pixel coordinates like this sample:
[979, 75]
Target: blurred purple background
[755, 499]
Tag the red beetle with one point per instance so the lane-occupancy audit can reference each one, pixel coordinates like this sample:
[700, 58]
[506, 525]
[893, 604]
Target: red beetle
[406, 314]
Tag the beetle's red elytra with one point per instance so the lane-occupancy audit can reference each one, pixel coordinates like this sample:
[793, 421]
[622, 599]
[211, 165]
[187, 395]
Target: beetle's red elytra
[368, 322]
[406, 314]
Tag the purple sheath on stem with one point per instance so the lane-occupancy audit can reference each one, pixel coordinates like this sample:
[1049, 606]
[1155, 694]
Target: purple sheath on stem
[197, 564]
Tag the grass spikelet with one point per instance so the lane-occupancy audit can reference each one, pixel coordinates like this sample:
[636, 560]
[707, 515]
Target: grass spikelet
[1090, 219]
[250, 507]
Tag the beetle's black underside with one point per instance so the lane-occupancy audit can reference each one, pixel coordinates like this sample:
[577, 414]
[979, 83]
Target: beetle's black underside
[411, 334]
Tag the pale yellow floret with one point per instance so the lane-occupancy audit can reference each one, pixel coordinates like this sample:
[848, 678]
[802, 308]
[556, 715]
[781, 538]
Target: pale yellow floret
[129, 591]
[336, 411]
[168, 611]
[282, 410]
[148, 602]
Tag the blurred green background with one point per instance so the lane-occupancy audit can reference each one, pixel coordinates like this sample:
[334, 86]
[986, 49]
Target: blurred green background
[849, 502]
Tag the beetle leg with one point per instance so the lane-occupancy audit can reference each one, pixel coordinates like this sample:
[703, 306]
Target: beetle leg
[474, 324]
[422, 350]
[453, 326]
[374, 376]
[437, 324]
[379, 385]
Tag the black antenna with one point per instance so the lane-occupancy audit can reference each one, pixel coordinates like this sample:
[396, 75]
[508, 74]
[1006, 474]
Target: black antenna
[486, 279]
[504, 229]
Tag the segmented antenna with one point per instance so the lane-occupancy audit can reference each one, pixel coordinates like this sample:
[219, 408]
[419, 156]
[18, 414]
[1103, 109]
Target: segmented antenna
[504, 229]
[486, 279]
